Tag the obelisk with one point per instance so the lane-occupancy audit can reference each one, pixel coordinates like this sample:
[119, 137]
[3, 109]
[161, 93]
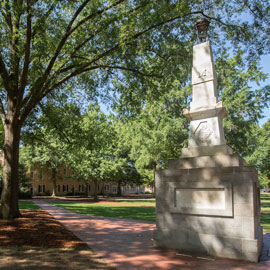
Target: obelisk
[207, 202]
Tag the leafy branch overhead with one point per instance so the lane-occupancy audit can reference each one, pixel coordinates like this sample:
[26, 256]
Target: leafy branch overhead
[47, 43]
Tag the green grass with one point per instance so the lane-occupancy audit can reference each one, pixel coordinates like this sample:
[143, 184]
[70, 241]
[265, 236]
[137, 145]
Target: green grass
[265, 202]
[28, 205]
[109, 210]
[265, 207]
[147, 202]
[265, 222]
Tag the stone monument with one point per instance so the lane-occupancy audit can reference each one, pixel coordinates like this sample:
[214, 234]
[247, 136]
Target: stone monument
[208, 202]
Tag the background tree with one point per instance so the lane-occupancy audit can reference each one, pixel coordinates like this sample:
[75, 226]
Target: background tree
[260, 158]
[92, 152]
[157, 133]
[239, 87]
[42, 149]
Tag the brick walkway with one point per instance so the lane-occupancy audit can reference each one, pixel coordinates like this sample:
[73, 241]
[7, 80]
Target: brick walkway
[127, 244]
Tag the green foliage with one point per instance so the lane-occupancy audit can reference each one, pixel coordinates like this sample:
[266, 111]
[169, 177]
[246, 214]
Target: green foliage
[24, 186]
[133, 49]
[260, 158]
[157, 133]
[90, 153]
[49, 45]
[243, 104]
[85, 141]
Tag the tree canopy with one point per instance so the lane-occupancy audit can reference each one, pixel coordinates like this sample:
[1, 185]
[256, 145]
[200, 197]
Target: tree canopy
[60, 45]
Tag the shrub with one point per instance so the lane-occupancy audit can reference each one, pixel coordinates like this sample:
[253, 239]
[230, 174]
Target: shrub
[24, 193]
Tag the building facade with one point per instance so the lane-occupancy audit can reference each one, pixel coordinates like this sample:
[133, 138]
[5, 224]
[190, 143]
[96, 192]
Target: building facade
[43, 181]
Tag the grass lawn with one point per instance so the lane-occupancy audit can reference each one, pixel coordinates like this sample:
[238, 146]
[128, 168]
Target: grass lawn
[109, 210]
[265, 207]
[28, 205]
[147, 202]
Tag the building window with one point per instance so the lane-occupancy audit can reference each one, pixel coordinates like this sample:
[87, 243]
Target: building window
[81, 188]
[65, 171]
[65, 188]
[58, 188]
[32, 175]
[40, 175]
[41, 188]
[114, 189]
[107, 187]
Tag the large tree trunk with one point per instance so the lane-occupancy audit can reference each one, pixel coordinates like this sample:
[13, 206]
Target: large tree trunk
[86, 189]
[95, 190]
[119, 191]
[9, 200]
[54, 182]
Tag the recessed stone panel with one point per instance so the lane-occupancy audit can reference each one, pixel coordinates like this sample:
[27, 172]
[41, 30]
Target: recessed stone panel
[201, 199]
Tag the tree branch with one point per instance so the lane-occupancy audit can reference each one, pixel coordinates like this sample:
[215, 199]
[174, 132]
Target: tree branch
[70, 30]
[2, 112]
[26, 56]
[33, 100]
[60, 131]
[124, 68]
[4, 75]
[14, 42]
[8, 17]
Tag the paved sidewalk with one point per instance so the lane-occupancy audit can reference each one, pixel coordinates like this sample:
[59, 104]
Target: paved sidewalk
[127, 244]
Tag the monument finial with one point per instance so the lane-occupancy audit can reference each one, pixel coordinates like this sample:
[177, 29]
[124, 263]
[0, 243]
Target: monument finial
[202, 25]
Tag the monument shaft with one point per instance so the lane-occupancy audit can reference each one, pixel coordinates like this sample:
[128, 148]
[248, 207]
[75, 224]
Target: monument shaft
[207, 202]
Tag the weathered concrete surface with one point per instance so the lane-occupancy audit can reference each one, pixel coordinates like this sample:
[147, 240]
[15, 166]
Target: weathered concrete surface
[212, 211]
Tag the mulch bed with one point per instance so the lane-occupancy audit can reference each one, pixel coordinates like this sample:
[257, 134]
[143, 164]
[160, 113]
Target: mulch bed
[37, 228]
[38, 241]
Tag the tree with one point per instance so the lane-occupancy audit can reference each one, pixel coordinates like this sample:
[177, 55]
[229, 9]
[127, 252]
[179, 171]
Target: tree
[157, 133]
[49, 45]
[92, 153]
[260, 158]
[243, 103]
[41, 148]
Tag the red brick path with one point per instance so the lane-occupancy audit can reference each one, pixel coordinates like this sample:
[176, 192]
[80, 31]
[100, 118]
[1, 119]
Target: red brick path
[127, 244]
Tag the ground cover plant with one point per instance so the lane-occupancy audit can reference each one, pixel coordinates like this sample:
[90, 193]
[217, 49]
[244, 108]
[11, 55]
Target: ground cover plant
[265, 211]
[38, 241]
[109, 209]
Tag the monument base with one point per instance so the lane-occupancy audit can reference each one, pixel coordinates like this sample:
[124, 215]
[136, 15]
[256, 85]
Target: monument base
[209, 205]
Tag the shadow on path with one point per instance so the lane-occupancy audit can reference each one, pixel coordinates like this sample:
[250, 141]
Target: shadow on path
[127, 244]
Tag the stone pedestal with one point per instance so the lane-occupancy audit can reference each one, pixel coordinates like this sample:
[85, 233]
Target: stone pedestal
[209, 205]
[208, 202]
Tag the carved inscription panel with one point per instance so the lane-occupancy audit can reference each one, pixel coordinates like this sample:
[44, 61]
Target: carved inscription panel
[203, 133]
[204, 198]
